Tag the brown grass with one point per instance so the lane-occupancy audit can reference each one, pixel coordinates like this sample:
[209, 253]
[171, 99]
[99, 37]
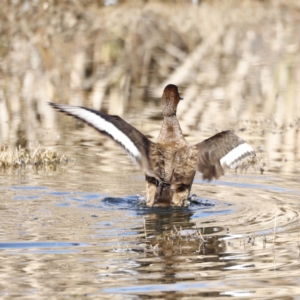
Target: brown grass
[237, 61]
[37, 156]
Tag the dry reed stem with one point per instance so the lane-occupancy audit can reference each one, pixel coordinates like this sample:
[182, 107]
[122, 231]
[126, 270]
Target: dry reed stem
[20, 157]
[235, 57]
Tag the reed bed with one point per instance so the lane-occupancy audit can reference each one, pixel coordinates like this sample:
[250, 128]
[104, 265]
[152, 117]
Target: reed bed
[237, 61]
[34, 156]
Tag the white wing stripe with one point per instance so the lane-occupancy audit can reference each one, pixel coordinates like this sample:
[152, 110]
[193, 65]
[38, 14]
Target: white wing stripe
[101, 124]
[235, 154]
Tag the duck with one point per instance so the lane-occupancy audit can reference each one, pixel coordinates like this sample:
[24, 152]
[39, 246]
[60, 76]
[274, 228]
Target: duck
[170, 163]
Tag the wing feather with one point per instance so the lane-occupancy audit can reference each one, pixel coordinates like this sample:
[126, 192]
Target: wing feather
[221, 151]
[136, 144]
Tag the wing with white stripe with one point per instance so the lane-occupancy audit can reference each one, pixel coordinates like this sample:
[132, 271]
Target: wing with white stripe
[221, 151]
[132, 141]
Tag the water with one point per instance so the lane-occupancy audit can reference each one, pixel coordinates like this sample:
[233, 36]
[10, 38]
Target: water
[84, 231]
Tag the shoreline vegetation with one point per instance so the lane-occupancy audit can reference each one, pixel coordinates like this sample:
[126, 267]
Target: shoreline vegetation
[32, 156]
[237, 61]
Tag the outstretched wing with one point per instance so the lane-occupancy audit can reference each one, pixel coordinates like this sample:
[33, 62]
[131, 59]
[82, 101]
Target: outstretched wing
[221, 151]
[136, 144]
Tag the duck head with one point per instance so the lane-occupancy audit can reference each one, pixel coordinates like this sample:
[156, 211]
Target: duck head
[170, 100]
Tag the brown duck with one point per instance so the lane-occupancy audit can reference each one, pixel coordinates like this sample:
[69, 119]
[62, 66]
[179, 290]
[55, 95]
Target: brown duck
[169, 164]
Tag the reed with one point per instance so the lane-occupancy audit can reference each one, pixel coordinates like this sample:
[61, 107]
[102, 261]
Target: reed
[34, 156]
[240, 58]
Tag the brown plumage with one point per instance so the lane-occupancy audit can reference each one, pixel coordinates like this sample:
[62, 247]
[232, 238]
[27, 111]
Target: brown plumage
[169, 164]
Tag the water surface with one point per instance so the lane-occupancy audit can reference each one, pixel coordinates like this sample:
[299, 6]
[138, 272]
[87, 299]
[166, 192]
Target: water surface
[84, 231]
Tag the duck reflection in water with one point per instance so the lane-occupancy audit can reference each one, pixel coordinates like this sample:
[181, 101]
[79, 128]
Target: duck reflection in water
[169, 164]
[170, 233]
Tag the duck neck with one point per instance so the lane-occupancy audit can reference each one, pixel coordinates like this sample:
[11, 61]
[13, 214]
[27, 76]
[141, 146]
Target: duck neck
[170, 132]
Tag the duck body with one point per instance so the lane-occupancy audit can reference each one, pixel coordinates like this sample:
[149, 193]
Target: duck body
[170, 163]
[174, 166]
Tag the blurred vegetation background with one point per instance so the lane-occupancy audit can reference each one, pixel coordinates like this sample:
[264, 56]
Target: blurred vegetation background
[235, 62]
